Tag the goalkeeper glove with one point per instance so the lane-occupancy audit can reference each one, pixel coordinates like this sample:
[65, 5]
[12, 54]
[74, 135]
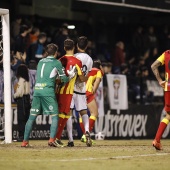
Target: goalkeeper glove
[71, 72]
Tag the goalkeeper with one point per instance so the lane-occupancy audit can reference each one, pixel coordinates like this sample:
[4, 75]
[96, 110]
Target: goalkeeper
[44, 100]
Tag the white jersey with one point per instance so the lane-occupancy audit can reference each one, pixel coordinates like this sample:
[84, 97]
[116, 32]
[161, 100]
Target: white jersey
[87, 63]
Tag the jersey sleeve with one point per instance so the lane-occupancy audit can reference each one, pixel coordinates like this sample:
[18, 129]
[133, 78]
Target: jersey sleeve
[162, 59]
[61, 73]
[99, 74]
[79, 70]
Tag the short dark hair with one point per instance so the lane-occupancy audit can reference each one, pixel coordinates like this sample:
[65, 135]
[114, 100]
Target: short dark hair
[96, 64]
[82, 42]
[23, 28]
[68, 44]
[51, 49]
[22, 71]
[42, 35]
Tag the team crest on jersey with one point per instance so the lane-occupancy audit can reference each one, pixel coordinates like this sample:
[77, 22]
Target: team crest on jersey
[51, 107]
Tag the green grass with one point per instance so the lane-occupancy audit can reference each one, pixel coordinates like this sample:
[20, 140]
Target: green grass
[104, 155]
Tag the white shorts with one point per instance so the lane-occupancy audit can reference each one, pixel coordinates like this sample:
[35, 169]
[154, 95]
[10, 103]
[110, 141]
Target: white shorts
[79, 101]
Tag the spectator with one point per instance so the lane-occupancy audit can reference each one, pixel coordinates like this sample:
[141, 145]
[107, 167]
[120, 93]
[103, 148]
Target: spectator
[22, 96]
[118, 57]
[20, 43]
[35, 50]
[137, 42]
[15, 27]
[34, 35]
[146, 97]
[59, 40]
[153, 40]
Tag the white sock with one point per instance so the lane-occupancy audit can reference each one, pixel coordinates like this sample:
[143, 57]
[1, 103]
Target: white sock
[70, 129]
[85, 119]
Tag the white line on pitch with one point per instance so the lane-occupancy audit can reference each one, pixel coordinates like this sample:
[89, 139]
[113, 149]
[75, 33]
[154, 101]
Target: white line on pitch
[90, 159]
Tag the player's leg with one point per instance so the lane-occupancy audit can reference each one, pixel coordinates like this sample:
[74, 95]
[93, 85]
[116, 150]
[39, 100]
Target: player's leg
[92, 106]
[81, 124]
[35, 110]
[163, 124]
[81, 106]
[65, 101]
[70, 130]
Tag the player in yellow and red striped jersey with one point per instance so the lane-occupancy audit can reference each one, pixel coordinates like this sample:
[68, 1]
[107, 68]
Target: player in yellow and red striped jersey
[65, 93]
[92, 84]
[164, 59]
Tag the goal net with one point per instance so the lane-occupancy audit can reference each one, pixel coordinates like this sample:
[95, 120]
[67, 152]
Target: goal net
[6, 116]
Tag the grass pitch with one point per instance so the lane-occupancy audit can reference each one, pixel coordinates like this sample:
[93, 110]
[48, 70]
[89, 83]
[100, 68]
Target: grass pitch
[104, 155]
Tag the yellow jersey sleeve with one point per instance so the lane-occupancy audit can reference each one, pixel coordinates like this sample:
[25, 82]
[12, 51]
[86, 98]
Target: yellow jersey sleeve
[79, 71]
[99, 74]
[162, 59]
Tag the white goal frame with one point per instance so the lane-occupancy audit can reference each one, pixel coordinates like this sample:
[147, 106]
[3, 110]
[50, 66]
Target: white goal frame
[7, 74]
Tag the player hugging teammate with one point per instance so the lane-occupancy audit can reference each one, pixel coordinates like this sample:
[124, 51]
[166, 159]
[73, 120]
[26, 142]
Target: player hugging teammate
[70, 73]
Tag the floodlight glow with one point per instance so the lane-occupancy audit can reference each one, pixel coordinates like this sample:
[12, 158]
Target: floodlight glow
[71, 27]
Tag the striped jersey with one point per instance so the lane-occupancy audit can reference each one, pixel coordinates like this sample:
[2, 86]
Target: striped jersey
[165, 60]
[68, 62]
[93, 74]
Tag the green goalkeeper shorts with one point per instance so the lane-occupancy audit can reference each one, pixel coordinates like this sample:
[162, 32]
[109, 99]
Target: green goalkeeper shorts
[44, 105]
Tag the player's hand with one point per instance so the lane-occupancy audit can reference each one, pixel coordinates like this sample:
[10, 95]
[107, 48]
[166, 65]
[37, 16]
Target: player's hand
[162, 84]
[71, 72]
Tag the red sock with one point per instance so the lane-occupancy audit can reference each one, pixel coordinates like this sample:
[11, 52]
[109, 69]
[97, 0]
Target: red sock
[81, 125]
[61, 118]
[92, 120]
[61, 127]
[161, 129]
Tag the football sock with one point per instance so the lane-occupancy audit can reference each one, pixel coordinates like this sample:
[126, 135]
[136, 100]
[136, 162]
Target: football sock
[85, 120]
[59, 130]
[81, 125]
[161, 129]
[61, 127]
[28, 126]
[54, 126]
[70, 129]
[92, 120]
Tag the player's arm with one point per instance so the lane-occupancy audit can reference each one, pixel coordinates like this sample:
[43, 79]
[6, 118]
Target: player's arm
[81, 76]
[97, 81]
[155, 70]
[61, 72]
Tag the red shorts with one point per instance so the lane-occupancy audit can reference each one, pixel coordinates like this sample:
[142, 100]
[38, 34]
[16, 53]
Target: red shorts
[64, 102]
[89, 96]
[167, 101]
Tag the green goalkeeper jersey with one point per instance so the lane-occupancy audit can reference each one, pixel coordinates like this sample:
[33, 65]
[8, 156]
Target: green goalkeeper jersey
[47, 70]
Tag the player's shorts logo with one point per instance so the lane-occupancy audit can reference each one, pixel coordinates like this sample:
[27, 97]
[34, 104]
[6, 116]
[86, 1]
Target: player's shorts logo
[51, 107]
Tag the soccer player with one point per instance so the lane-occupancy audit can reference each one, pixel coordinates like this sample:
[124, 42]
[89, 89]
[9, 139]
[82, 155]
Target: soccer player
[164, 59]
[44, 100]
[79, 96]
[92, 84]
[65, 93]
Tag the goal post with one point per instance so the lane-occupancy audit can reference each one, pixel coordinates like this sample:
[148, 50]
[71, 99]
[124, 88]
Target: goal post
[4, 13]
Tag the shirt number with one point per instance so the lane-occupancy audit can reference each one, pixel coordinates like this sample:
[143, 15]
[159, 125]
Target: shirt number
[42, 70]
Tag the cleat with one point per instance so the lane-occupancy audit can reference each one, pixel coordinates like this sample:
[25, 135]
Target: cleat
[59, 142]
[83, 139]
[25, 144]
[157, 145]
[88, 139]
[70, 144]
[55, 144]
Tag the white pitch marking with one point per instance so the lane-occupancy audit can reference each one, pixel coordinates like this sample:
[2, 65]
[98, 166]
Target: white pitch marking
[90, 159]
